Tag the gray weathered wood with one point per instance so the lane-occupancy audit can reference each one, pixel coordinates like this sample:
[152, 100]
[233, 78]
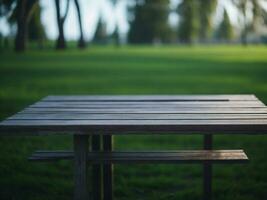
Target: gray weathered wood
[146, 104]
[151, 102]
[172, 157]
[133, 113]
[142, 128]
[81, 145]
[98, 115]
[153, 110]
[137, 122]
[108, 168]
[207, 169]
[149, 97]
[97, 170]
[85, 116]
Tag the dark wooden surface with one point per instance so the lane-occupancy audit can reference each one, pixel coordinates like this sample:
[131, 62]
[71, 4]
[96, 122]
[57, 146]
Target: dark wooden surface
[96, 170]
[108, 169]
[133, 114]
[207, 170]
[81, 146]
[172, 157]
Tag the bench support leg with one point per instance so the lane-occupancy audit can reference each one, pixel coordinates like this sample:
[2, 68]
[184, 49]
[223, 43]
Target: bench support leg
[108, 169]
[81, 146]
[207, 169]
[96, 170]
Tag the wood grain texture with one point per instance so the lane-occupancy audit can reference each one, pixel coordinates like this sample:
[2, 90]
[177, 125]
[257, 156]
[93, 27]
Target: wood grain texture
[146, 104]
[145, 116]
[108, 168]
[188, 156]
[138, 113]
[207, 170]
[96, 170]
[150, 97]
[81, 145]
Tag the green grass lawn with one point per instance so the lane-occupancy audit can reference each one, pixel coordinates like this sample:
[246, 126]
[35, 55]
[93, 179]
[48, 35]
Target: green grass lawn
[26, 78]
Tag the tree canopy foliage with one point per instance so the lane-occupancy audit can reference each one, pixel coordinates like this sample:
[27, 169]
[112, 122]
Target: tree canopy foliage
[225, 31]
[6, 6]
[101, 35]
[189, 21]
[257, 11]
[207, 9]
[36, 30]
[150, 22]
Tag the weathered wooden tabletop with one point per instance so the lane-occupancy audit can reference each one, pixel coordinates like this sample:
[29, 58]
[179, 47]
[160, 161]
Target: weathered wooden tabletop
[137, 114]
[84, 115]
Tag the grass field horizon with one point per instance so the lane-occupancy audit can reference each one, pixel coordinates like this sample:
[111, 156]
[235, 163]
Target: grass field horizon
[28, 77]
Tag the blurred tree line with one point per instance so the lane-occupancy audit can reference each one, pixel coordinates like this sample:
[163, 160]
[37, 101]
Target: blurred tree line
[150, 22]
[23, 13]
[148, 19]
[26, 16]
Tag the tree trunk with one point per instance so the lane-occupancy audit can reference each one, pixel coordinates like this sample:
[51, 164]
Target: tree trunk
[245, 31]
[61, 43]
[81, 43]
[244, 38]
[20, 40]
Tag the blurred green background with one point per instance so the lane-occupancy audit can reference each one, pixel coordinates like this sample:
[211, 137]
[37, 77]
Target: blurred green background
[26, 78]
[68, 47]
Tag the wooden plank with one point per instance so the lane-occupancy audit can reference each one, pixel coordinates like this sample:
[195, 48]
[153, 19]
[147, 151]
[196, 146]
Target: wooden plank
[146, 104]
[149, 97]
[157, 108]
[162, 129]
[18, 127]
[186, 156]
[207, 169]
[132, 122]
[85, 116]
[149, 110]
[140, 152]
[108, 168]
[150, 106]
[97, 170]
[81, 146]
[170, 102]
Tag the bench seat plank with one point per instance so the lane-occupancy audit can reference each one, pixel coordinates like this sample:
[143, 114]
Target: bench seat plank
[189, 156]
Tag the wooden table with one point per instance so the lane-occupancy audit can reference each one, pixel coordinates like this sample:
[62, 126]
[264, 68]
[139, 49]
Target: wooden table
[105, 116]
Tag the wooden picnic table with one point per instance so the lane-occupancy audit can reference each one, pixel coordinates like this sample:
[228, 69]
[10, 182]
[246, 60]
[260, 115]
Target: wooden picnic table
[104, 116]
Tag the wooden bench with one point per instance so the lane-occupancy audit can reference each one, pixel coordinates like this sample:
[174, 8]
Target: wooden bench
[98, 118]
[145, 157]
[106, 159]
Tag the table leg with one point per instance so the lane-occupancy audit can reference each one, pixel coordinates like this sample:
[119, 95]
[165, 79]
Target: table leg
[96, 170]
[108, 169]
[207, 169]
[80, 146]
